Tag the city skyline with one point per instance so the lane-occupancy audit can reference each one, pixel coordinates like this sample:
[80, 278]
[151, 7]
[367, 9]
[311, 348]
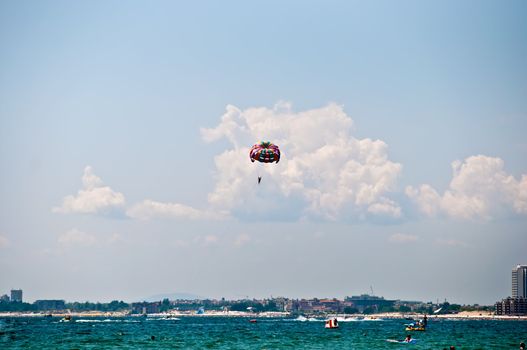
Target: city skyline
[125, 130]
[518, 290]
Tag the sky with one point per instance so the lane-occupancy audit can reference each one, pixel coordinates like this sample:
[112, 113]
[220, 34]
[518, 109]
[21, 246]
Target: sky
[125, 129]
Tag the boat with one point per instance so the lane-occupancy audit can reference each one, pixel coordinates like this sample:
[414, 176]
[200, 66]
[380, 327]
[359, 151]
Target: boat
[332, 323]
[372, 318]
[419, 326]
[66, 318]
[170, 318]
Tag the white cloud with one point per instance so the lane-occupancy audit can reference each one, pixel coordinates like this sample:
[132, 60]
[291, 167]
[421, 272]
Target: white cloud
[426, 198]
[76, 237]
[93, 198]
[402, 238]
[324, 171]
[4, 242]
[149, 209]
[385, 207]
[480, 188]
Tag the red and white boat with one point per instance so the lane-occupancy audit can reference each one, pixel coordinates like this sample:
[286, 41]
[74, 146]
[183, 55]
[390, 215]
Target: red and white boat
[332, 323]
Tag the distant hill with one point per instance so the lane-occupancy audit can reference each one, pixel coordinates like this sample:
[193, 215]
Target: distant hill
[173, 296]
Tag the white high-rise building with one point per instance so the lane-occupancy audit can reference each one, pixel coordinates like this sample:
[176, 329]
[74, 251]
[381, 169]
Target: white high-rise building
[519, 281]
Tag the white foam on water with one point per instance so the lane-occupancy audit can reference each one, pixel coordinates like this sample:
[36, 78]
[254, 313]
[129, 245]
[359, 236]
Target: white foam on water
[348, 319]
[412, 341]
[163, 319]
[107, 320]
[307, 319]
[312, 319]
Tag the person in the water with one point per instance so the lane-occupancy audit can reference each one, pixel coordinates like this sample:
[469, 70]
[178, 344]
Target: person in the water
[522, 346]
[408, 339]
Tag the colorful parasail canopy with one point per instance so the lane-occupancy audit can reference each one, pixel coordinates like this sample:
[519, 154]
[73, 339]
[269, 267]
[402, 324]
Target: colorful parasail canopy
[265, 152]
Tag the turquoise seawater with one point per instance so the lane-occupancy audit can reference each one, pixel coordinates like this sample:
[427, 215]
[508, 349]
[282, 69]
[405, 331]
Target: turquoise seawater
[239, 333]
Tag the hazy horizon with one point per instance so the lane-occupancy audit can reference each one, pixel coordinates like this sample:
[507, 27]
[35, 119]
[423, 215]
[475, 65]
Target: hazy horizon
[125, 129]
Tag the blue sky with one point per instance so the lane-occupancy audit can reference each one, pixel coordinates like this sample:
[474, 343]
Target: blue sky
[148, 109]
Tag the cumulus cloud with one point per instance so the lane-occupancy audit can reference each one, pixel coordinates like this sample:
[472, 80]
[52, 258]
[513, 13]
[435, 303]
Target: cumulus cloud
[324, 171]
[402, 238]
[149, 209]
[93, 198]
[480, 188]
[76, 237]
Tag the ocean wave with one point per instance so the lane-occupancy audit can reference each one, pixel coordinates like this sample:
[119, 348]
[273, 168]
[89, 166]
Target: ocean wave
[82, 320]
[307, 319]
[358, 319]
[349, 319]
[163, 319]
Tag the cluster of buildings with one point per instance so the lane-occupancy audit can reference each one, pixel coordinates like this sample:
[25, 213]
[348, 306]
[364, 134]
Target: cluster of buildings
[360, 303]
[16, 296]
[355, 304]
[50, 304]
[317, 305]
[363, 303]
[517, 303]
[146, 307]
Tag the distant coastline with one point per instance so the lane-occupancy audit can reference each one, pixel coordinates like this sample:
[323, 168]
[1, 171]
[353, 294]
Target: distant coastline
[467, 315]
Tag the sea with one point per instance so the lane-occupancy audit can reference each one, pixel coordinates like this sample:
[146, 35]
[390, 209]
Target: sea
[266, 333]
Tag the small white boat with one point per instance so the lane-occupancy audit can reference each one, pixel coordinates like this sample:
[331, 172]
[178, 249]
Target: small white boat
[66, 318]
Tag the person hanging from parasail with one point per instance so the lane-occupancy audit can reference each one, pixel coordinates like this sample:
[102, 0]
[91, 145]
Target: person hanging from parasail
[264, 152]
